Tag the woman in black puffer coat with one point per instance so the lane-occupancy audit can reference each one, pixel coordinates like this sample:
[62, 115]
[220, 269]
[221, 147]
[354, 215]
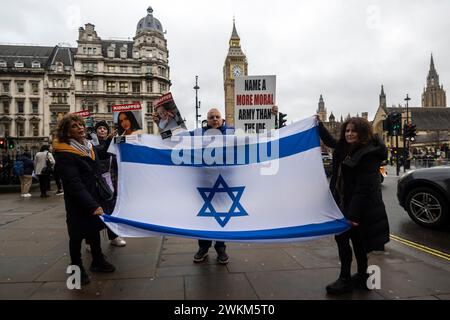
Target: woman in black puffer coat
[78, 167]
[356, 188]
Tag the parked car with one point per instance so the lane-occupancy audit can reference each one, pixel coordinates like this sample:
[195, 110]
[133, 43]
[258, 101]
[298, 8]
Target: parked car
[425, 195]
[327, 163]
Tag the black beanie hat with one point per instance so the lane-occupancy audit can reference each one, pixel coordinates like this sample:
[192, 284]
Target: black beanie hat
[101, 123]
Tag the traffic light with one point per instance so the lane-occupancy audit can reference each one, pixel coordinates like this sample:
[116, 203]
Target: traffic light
[395, 119]
[387, 126]
[281, 120]
[409, 131]
[2, 144]
[11, 143]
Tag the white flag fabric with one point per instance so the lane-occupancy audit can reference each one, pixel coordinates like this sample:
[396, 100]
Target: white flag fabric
[226, 187]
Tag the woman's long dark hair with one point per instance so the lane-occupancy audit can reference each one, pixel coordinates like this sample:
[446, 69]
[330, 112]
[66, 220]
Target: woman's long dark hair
[364, 130]
[134, 124]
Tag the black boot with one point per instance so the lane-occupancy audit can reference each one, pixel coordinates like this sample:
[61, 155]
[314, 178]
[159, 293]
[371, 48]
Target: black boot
[85, 279]
[101, 265]
[222, 256]
[359, 280]
[340, 286]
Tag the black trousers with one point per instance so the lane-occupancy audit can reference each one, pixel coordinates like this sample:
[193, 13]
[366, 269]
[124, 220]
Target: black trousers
[206, 244]
[57, 180]
[75, 247]
[345, 252]
[44, 181]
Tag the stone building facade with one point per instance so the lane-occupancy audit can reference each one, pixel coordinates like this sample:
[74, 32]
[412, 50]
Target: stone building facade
[38, 85]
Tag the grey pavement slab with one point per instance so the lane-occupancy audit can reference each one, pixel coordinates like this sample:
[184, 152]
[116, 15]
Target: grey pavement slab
[18, 291]
[415, 279]
[260, 260]
[59, 291]
[320, 257]
[219, 287]
[307, 284]
[24, 269]
[144, 289]
[193, 269]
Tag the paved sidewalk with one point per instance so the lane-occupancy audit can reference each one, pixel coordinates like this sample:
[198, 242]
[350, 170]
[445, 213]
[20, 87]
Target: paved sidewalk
[34, 258]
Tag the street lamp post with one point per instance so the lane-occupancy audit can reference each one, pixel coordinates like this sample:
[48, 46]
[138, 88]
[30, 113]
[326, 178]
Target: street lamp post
[197, 106]
[405, 139]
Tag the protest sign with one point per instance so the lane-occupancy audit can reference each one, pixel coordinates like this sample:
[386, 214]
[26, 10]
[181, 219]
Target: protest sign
[128, 118]
[170, 120]
[254, 99]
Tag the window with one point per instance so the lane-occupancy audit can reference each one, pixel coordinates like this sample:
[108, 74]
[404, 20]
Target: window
[20, 87]
[35, 64]
[6, 107]
[6, 126]
[89, 85]
[123, 86]
[149, 86]
[136, 54]
[89, 51]
[150, 127]
[89, 66]
[21, 129]
[18, 64]
[111, 68]
[123, 69]
[162, 87]
[35, 129]
[110, 86]
[136, 69]
[84, 50]
[149, 69]
[94, 50]
[3, 64]
[136, 87]
[59, 67]
[35, 87]
[162, 71]
[20, 106]
[123, 53]
[111, 53]
[5, 87]
[92, 106]
[35, 106]
[149, 106]
[109, 106]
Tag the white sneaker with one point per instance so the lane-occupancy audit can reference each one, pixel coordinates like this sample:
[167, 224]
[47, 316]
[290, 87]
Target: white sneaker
[27, 195]
[118, 242]
[23, 195]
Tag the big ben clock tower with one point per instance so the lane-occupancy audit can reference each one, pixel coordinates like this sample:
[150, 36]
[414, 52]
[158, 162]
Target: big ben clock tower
[235, 65]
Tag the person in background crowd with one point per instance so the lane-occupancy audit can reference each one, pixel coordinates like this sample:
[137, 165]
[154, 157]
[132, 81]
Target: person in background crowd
[107, 163]
[41, 161]
[78, 167]
[26, 178]
[356, 188]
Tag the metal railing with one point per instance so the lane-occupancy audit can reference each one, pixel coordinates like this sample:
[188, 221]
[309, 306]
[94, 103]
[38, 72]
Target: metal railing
[428, 163]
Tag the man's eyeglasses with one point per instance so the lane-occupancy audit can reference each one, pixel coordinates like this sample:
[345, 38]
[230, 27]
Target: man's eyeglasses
[213, 117]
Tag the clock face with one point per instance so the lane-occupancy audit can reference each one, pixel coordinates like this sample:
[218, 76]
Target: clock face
[237, 71]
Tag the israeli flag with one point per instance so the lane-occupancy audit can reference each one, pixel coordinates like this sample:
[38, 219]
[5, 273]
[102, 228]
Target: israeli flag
[261, 188]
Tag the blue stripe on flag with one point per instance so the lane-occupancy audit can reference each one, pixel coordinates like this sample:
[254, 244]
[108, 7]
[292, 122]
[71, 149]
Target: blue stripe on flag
[255, 153]
[310, 230]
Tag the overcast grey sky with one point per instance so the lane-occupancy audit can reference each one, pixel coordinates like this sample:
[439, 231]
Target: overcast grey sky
[343, 49]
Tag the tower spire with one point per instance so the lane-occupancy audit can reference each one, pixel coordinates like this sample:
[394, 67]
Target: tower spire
[431, 63]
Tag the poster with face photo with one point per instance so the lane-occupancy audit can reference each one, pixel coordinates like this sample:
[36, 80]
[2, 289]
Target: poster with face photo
[169, 118]
[128, 118]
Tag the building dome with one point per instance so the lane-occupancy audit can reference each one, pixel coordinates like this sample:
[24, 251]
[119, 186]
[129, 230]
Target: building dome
[149, 23]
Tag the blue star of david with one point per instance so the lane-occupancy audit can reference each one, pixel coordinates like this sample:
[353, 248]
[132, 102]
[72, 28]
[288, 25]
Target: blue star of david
[208, 210]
